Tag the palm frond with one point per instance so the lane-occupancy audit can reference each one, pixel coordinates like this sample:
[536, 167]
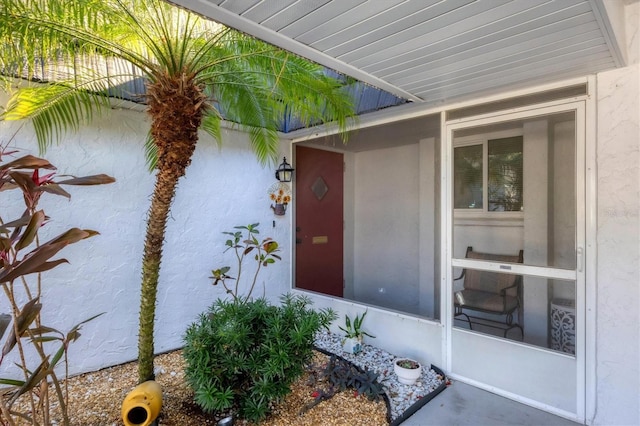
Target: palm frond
[242, 102]
[211, 124]
[55, 108]
[254, 84]
[264, 143]
[45, 32]
[285, 82]
[150, 152]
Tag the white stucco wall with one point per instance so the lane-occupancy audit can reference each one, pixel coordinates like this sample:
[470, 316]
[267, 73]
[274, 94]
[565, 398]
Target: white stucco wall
[618, 238]
[222, 189]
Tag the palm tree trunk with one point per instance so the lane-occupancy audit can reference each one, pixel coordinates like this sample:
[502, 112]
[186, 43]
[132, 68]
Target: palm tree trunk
[163, 194]
[175, 105]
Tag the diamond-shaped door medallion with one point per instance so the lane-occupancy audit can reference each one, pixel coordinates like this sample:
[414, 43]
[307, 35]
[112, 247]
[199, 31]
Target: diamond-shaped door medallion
[319, 188]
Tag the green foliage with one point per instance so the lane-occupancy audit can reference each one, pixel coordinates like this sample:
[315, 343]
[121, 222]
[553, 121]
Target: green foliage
[244, 354]
[353, 330]
[24, 324]
[253, 82]
[264, 254]
[174, 51]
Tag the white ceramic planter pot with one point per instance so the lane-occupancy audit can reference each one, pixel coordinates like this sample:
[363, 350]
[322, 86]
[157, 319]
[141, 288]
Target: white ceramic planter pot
[407, 376]
[352, 345]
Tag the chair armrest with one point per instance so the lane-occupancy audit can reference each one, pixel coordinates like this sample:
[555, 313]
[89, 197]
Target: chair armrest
[503, 292]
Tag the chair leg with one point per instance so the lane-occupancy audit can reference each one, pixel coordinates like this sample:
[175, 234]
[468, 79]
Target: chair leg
[521, 331]
[512, 327]
[510, 323]
[521, 319]
[459, 312]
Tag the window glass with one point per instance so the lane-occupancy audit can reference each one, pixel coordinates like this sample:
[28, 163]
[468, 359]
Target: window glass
[388, 230]
[529, 187]
[468, 191]
[535, 310]
[504, 183]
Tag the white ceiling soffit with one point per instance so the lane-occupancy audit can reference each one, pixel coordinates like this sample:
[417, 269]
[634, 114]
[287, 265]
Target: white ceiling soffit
[434, 52]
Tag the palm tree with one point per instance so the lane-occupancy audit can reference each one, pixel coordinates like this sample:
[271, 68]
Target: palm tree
[193, 69]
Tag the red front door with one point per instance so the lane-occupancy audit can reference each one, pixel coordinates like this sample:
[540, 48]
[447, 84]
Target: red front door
[319, 221]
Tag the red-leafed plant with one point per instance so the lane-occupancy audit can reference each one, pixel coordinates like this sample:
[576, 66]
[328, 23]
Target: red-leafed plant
[23, 258]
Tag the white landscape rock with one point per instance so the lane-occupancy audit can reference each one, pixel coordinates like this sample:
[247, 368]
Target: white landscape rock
[401, 397]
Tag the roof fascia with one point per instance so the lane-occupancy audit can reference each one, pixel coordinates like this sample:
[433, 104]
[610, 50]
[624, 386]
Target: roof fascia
[611, 19]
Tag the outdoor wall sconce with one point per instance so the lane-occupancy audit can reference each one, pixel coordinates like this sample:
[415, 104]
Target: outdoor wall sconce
[284, 171]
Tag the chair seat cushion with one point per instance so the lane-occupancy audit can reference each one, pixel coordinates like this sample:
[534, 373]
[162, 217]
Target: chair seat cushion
[485, 301]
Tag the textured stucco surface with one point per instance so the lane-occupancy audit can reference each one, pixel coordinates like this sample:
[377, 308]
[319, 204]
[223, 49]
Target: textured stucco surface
[222, 189]
[618, 239]
[618, 293]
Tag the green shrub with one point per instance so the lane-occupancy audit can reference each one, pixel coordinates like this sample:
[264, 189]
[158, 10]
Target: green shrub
[244, 355]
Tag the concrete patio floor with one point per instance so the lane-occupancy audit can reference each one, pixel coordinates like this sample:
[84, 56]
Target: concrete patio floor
[462, 404]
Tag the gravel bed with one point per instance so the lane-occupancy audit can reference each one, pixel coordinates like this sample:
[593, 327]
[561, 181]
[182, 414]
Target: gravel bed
[95, 398]
[401, 397]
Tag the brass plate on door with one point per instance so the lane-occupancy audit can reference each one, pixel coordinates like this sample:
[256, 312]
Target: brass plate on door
[322, 239]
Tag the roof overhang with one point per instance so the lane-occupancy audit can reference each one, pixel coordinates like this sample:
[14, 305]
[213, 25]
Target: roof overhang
[435, 52]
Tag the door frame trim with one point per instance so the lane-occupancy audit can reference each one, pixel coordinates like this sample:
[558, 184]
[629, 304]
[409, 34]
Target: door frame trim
[586, 180]
[591, 253]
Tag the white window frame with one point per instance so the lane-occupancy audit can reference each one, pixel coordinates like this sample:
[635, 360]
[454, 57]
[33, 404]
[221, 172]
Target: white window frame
[471, 216]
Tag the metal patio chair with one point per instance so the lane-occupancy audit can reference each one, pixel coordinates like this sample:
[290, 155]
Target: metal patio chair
[498, 294]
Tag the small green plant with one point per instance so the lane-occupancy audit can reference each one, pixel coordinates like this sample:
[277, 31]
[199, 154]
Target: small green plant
[22, 254]
[353, 330]
[264, 255]
[242, 355]
[408, 364]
